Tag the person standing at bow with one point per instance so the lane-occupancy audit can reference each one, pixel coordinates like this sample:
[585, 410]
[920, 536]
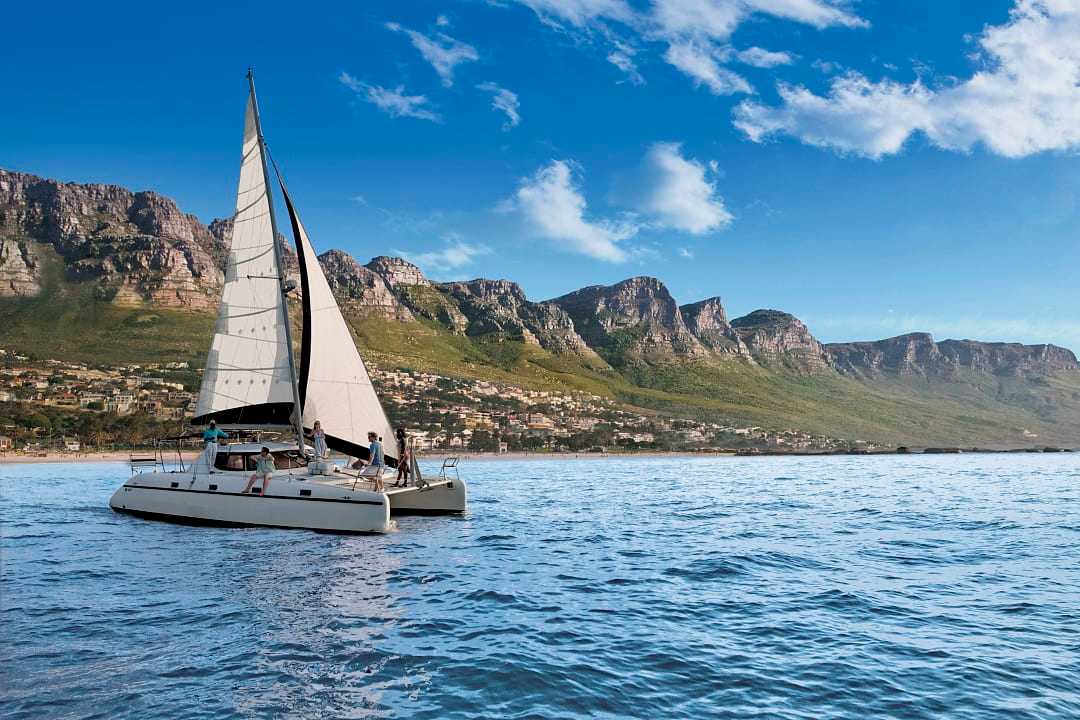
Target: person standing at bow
[210, 436]
[318, 437]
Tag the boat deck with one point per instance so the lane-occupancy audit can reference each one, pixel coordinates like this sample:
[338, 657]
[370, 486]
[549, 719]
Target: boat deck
[363, 482]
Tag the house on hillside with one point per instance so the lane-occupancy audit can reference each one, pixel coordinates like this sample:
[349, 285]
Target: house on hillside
[71, 444]
[6, 443]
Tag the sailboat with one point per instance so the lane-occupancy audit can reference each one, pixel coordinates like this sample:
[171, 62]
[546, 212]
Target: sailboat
[253, 383]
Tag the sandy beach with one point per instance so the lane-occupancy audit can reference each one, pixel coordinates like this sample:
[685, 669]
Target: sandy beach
[67, 457]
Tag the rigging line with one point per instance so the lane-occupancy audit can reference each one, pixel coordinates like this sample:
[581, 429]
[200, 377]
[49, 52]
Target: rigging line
[253, 258]
[249, 205]
[238, 336]
[259, 311]
[245, 402]
[248, 219]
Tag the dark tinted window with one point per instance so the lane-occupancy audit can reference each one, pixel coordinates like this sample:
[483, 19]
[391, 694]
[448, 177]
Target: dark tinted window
[287, 460]
[230, 461]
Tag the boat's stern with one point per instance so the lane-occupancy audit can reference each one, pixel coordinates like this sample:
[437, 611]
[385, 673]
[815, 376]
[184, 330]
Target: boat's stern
[437, 498]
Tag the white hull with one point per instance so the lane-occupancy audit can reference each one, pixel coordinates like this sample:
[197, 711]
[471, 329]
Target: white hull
[439, 497]
[337, 502]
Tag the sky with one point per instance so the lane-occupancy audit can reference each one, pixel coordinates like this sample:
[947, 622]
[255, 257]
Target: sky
[872, 167]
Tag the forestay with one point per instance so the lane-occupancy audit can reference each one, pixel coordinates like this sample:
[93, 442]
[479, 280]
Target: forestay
[335, 387]
[247, 377]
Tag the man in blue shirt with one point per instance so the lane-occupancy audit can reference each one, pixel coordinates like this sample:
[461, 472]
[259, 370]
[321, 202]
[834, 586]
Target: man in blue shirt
[375, 452]
[210, 437]
[374, 465]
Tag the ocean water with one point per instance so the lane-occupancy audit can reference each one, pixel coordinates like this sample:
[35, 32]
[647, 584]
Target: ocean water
[841, 587]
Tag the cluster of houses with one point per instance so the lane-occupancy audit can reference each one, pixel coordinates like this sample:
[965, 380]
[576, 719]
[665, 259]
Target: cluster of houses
[442, 412]
[124, 390]
[439, 412]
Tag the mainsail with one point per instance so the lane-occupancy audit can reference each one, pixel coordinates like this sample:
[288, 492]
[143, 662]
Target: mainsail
[335, 387]
[248, 378]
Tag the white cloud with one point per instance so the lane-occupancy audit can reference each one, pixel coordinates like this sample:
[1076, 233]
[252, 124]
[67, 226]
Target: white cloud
[686, 253]
[554, 207]
[580, 13]
[872, 119]
[622, 57]
[455, 254]
[1025, 100]
[443, 52]
[504, 101]
[818, 13]
[762, 58]
[442, 21]
[700, 62]
[681, 195]
[393, 102]
[695, 31]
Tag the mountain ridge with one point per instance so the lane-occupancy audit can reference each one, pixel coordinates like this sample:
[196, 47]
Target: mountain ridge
[107, 250]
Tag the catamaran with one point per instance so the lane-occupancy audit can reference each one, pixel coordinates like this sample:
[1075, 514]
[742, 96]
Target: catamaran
[253, 386]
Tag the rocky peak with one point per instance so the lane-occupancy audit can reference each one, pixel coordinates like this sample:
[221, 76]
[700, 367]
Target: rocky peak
[360, 289]
[500, 306]
[918, 354]
[503, 292]
[778, 338]
[707, 321]
[134, 247]
[1008, 358]
[636, 316]
[910, 354]
[397, 272]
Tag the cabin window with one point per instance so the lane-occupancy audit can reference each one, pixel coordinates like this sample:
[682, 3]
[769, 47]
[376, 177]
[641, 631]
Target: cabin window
[230, 461]
[288, 460]
[284, 460]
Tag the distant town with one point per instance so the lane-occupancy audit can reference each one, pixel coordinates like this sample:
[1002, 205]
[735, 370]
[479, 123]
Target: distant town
[56, 405]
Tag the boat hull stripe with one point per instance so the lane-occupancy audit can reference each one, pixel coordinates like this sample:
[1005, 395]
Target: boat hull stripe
[304, 498]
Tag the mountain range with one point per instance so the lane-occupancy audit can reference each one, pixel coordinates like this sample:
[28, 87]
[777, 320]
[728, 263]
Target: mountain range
[98, 273]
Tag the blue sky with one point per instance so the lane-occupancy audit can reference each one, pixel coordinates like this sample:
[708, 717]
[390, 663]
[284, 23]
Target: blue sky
[872, 167]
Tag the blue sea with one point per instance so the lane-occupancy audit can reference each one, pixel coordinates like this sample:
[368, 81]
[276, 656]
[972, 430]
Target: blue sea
[839, 587]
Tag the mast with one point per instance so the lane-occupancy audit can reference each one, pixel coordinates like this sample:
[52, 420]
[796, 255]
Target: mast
[298, 412]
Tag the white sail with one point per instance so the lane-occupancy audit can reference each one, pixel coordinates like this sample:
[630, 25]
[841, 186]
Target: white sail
[247, 377]
[335, 387]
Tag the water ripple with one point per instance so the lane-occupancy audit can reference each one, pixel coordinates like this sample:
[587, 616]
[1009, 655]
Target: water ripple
[792, 588]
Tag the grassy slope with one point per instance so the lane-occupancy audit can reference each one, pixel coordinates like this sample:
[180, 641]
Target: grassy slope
[977, 409]
[67, 322]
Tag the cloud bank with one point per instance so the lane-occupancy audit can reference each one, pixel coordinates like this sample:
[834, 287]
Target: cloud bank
[1025, 100]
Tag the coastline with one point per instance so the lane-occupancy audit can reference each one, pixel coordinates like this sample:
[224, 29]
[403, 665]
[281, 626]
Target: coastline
[125, 456]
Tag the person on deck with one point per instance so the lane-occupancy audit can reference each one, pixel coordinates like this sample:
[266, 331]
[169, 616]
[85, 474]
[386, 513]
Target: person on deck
[404, 466]
[376, 462]
[264, 468]
[210, 437]
[318, 436]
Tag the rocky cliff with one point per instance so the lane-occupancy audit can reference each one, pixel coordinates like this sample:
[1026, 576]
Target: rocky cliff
[359, 289]
[707, 321]
[417, 293]
[138, 248]
[918, 354]
[633, 318]
[500, 306]
[397, 272]
[134, 247]
[779, 339]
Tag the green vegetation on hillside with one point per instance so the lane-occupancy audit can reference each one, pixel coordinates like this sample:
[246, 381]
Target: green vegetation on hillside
[68, 321]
